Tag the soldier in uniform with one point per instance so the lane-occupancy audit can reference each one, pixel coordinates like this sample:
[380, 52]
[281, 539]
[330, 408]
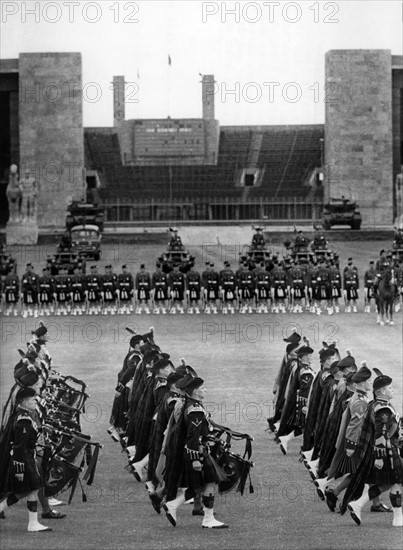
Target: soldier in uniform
[176, 289]
[159, 284]
[93, 291]
[245, 287]
[278, 283]
[78, 291]
[322, 287]
[143, 289]
[125, 291]
[262, 288]
[198, 474]
[382, 263]
[10, 291]
[29, 292]
[22, 477]
[210, 281]
[176, 242]
[62, 292]
[335, 286]
[46, 292]
[118, 419]
[301, 242]
[258, 239]
[296, 287]
[109, 291]
[228, 288]
[193, 289]
[369, 281]
[350, 286]
[348, 455]
[383, 467]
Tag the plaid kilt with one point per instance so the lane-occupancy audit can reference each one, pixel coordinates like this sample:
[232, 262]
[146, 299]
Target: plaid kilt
[211, 473]
[392, 471]
[32, 477]
[310, 420]
[120, 406]
[330, 432]
[351, 293]
[142, 421]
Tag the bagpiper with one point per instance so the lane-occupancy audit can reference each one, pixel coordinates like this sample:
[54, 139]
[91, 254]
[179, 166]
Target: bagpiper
[109, 291]
[227, 289]
[176, 290]
[10, 293]
[210, 288]
[93, 291]
[46, 292]
[262, 288]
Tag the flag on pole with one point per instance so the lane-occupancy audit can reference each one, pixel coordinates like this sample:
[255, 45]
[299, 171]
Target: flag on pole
[169, 60]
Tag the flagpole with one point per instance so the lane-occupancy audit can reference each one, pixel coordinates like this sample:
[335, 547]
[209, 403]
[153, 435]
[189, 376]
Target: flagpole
[169, 85]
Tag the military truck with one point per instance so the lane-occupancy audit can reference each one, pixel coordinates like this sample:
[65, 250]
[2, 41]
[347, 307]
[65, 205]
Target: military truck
[341, 211]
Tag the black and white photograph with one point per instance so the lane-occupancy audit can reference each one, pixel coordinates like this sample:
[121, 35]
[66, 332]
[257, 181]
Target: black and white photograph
[201, 275]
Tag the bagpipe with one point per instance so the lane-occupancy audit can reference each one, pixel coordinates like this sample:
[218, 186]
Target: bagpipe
[236, 467]
[66, 451]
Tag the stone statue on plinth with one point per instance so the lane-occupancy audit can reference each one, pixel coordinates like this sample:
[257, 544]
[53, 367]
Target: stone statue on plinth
[29, 193]
[22, 227]
[14, 194]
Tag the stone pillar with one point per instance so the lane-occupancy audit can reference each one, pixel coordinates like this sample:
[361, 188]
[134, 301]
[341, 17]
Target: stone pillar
[51, 131]
[358, 131]
[118, 100]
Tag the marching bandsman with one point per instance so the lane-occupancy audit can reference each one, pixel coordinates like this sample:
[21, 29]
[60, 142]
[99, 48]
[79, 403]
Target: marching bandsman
[293, 415]
[78, 292]
[29, 292]
[278, 283]
[245, 287]
[23, 479]
[46, 292]
[210, 288]
[350, 286]
[228, 289]
[176, 289]
[159, 284]
[143, 290]
[383, 467]
[297, 287]
[93, 291]
[349, 454]
[10, 293]
[193, 289]
[335, 285]
[125, 290]
[109, 290]
[118, 419]
[262, 288]
[369, 281]
[198, 474]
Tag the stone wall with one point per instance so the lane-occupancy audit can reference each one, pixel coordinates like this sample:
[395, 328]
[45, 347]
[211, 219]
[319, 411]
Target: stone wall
[51, 130]
[358, 131]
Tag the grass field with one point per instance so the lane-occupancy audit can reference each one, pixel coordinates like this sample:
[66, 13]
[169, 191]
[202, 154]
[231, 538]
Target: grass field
[238, 356]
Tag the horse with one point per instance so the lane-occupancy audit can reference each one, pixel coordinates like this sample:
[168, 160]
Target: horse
[385, 297]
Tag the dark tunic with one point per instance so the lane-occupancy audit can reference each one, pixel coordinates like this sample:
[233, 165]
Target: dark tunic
[296, 396]
[121, 402]
[329, 388]
[313, 405]
[20, 438]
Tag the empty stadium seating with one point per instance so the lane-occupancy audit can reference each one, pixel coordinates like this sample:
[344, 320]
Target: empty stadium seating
[286, 158]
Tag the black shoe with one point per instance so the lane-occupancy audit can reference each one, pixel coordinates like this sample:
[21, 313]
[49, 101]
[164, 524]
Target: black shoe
[53, 514]
[381, 507]
[331, 499]
[156, 502]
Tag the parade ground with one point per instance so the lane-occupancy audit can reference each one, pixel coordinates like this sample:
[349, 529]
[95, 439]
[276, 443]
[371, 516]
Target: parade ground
[238, 356]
